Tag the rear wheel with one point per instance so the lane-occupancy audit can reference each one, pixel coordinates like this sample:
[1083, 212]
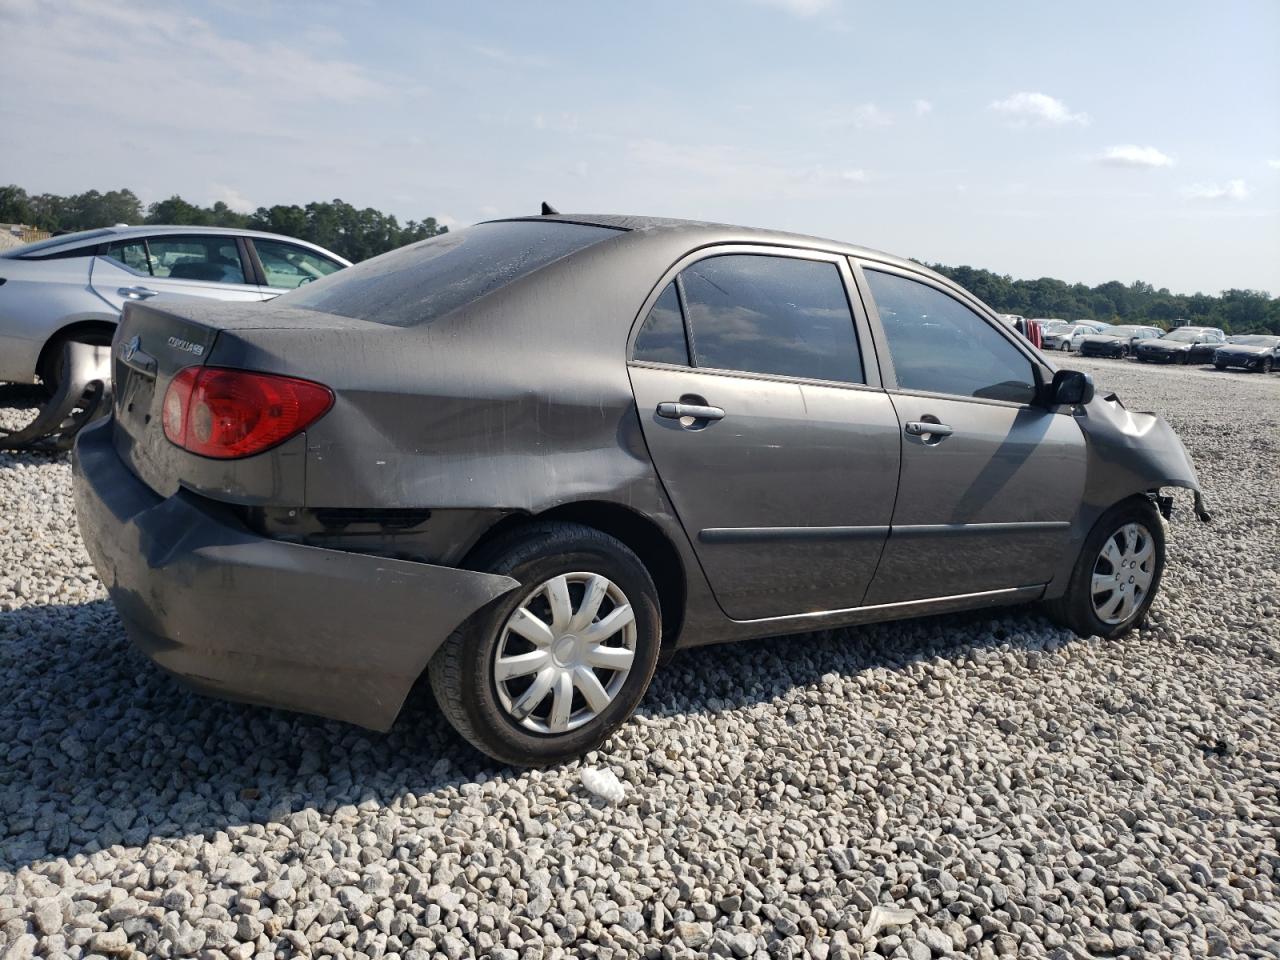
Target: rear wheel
[547, 672]
[1219, 365]
[1117, 574]
[51, 360]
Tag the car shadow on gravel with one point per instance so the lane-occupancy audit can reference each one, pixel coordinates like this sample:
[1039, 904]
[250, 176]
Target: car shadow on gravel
[100, 747]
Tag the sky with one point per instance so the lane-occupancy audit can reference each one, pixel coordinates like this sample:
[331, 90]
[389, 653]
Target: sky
[1088, 141]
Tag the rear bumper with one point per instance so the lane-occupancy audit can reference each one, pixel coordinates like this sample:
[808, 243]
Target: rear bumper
[244, 617]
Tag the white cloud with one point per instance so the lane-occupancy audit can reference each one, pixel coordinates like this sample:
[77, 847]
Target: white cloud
[1037, 108]
[506, 57]
[232, 197]
[1231, 190]
[922, 107]
[853, 176]
[800, 8]
[1131, 155]
[869, 115]
[1274, 164]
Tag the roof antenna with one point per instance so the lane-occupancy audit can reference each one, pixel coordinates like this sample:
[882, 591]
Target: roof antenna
[548, 210]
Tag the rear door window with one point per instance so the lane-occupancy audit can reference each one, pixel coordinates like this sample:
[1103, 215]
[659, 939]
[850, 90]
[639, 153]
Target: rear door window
[661, 338]
[938, 345]
[772, 315]
[423, 281]
[208, 259]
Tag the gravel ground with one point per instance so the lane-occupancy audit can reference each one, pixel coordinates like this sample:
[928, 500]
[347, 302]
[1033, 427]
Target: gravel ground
[984, 785]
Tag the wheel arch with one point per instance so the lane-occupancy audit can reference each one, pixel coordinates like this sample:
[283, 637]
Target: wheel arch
[641, 535]
[72, 330]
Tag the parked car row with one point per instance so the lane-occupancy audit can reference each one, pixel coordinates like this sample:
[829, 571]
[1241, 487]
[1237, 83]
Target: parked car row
[1147, 344]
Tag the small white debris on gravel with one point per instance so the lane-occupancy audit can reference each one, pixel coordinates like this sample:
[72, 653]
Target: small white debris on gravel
[984, 784]
[604, 783]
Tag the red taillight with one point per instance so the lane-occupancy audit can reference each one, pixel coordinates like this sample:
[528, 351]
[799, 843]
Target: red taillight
[222, 413]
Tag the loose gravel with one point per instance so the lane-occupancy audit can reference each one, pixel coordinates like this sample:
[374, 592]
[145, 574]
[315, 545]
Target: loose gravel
[984, 785]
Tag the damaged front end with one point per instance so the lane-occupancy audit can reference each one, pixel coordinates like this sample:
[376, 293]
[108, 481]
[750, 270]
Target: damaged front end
[1134, 453]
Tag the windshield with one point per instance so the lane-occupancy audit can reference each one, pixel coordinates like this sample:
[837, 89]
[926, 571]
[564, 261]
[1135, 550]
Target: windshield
[41, 245]
[1054, 326]
[1254, 341]
[1183, 336]
[421, 282]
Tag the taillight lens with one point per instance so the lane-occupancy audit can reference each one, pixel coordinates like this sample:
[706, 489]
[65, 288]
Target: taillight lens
[223, 413]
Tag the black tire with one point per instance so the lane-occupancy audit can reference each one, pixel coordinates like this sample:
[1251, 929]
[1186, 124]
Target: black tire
[1218, 365]
[1075, 608]
[1265, 366]
[50, 367]
[461, 672]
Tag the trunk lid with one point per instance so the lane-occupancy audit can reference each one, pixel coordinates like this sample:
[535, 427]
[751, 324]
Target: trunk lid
[158, 338]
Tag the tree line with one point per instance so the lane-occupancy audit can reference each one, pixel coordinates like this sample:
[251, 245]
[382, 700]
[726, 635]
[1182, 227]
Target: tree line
[359, 234]
[1236, 311]
[335, 224]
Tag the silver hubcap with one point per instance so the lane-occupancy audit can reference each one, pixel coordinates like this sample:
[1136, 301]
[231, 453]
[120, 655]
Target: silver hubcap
[1123, 572]
[565, 653]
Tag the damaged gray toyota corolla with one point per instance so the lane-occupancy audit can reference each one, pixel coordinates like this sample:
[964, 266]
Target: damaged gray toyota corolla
[530, 456]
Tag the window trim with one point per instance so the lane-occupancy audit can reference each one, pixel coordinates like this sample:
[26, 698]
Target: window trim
[1041, 373]
[863, 338]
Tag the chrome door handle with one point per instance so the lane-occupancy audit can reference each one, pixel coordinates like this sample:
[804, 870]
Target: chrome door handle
[678, 411]
[925, 428]
[137, 293]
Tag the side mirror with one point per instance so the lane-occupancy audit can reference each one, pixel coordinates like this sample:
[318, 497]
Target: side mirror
[1070, 387]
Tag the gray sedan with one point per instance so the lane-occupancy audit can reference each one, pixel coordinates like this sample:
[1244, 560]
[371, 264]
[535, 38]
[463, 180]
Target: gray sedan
[531, 458]
[73, 287]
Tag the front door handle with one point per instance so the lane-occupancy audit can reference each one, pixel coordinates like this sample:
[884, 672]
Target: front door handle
[930, 431]
[678, 411]
[137, 293]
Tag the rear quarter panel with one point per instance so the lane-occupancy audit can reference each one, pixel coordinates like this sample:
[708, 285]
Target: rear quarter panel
[37, 299]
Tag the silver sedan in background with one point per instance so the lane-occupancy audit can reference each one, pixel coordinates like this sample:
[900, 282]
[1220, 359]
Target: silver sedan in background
[73, 287]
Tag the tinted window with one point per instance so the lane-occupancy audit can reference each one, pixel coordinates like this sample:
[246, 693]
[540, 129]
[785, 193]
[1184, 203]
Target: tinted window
[423, 281]
[132, 253]
[662, 339]
[940, 345]
[777, 315]
[289, 266]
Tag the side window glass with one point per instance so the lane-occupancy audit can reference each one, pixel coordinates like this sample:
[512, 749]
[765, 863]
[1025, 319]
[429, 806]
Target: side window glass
[289, 267]
[133, 254]
[662, 338]
[940, 345]
[213, 259]
[767, 314]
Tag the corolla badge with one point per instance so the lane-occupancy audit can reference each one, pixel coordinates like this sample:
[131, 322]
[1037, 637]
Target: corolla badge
[187, 346]
[130, 347]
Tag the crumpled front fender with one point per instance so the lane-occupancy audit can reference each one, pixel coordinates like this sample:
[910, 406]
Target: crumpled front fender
[1133, 453]
[1128, 454]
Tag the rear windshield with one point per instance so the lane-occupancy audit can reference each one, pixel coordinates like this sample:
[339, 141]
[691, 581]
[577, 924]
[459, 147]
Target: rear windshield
[424, 281]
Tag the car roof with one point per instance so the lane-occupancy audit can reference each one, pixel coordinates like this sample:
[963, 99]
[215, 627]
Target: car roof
[91, 238]
[699, 232]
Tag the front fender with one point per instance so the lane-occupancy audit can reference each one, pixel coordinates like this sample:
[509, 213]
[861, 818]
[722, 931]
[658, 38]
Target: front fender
[1128, 454]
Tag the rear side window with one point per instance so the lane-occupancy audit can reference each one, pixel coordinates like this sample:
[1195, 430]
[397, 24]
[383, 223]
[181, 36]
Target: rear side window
[662, 338]
[941, 346]
[773, 315]
[288, 266]
[421, 282]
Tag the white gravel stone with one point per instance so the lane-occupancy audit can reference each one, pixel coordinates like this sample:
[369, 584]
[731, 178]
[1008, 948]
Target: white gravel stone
[982, 784]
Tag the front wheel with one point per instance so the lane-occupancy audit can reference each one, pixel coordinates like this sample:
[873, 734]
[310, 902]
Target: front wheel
[1117, 574]
[547, 672]
[1265, 366]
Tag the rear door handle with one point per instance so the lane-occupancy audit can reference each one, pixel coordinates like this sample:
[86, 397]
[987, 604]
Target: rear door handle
[924, 428]
[137, 293]
[678, 411]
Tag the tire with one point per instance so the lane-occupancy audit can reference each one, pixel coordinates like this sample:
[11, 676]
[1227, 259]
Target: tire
[1077, 610]
[1265, 366]
[1219, 365]
[1066, 346]
[50, 367]
[483, 708]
